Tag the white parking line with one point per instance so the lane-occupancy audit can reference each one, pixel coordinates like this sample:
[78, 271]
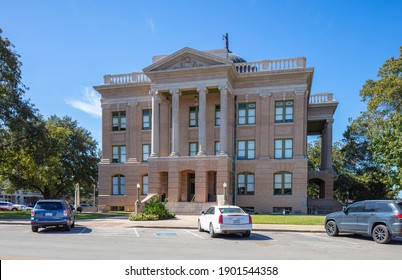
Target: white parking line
[328, 238]
[136, 232]
[83, 230]
[194, 234]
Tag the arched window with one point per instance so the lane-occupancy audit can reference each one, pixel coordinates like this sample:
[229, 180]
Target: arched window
[145, 184]
[118, 185]
[283, 183]
[245, 184]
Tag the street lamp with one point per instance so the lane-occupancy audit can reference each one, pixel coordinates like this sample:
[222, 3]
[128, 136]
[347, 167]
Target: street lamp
[138, 193]
[224, 193]
[347, 198]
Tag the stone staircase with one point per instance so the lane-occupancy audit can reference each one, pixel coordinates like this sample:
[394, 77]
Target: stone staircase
[188, 208]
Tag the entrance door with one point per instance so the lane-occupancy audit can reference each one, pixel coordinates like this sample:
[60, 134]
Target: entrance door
[190, 187]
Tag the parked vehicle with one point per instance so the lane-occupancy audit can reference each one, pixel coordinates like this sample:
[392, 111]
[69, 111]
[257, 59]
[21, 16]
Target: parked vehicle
[381, 219]
[225, 220]
[21, 207]
[7, 206]
[52, 212]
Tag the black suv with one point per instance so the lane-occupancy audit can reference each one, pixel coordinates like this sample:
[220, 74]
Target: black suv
[52, 212]
[382, 219]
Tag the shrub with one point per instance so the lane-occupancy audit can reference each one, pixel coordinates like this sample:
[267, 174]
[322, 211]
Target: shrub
[156, 207]
[143, 217]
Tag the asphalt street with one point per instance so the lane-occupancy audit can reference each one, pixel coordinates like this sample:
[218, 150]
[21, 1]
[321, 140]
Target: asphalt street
[108, 243]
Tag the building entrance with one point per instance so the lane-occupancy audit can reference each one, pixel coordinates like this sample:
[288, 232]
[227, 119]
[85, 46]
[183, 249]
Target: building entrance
[190, 187]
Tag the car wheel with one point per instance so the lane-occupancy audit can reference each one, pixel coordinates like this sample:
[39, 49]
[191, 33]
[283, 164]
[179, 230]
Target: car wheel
[199, 226]
[381, 234]
[35, 228]
[331, 228]
[246, 234]
[14, 209]
[67, 227]
[211, 231]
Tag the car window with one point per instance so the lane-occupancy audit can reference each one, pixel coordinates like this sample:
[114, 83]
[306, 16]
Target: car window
[383, 207]
[210, 211]
[49, 206]
[370, 206]
[230, 210]
[357, 207]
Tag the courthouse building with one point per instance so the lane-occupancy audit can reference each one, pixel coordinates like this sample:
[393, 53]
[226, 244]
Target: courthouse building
[195, 125]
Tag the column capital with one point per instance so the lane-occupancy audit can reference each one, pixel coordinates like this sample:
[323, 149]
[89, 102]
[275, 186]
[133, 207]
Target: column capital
[153, 93]
[223, 88]
[174, 91]
[202, 89]
[330, 120]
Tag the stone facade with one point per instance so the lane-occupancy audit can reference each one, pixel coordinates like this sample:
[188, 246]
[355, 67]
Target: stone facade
[195, 121]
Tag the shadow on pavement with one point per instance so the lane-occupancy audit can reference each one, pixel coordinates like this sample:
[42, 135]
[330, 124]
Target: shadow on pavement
[60, 230]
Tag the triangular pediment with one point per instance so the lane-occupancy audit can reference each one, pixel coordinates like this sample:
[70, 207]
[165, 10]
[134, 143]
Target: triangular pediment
[186, 58]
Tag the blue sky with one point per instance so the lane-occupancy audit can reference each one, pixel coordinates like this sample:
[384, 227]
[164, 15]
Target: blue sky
[67, 46]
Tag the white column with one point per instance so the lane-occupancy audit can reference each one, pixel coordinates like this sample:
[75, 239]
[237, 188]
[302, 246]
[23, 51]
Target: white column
[155, 124]
[175, 122]
[223, 132]
[202, 132]
[328, 139]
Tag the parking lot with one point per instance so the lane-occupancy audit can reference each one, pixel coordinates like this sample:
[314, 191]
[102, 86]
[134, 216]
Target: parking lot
[102, 243]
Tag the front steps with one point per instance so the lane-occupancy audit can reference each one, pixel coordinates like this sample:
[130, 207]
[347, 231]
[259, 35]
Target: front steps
[188, 208]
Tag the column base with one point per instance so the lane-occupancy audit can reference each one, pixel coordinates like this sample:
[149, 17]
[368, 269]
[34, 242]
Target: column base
[201, 153]
[174, 154]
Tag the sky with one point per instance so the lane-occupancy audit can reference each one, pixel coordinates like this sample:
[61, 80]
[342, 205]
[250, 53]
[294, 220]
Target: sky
[67, 46]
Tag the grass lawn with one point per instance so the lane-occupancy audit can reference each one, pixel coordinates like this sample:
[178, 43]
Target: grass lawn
[26, 215]
[288, 219]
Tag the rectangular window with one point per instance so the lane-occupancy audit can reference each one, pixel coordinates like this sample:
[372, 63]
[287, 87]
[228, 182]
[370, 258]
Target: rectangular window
[118, 185]
[284, 111]
[146, 119]
[245, 184]
[119, 154]
[119, 121]
[217, 147]
[282, 210]
[246, 113]
[193, 119]
[193, 149]
[217, 115]
[283, 148]
[117, 208]
[283, 183]
[246, 149]
[146, 151]
[145, 184]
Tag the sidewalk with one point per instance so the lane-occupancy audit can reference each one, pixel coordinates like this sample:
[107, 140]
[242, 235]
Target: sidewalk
[180, 222]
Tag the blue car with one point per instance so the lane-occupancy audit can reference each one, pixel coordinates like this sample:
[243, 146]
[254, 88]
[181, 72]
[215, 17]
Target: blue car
[52, 213]
[381, 219]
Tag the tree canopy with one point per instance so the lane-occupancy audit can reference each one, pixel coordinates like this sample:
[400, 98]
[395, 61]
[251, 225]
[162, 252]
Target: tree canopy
[48, 156]
[384, 118]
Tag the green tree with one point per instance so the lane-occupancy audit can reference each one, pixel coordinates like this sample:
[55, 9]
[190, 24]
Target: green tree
[16, 114]
[384, 109]
[63, 156]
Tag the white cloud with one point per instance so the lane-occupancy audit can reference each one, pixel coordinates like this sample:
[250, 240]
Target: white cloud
[151, 24]
[89, 103]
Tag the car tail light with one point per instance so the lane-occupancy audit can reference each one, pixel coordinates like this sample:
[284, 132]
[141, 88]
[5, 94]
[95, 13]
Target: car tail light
[32, 213]
[65, 213]
[220, 219]
[250, 220]
[398, 216]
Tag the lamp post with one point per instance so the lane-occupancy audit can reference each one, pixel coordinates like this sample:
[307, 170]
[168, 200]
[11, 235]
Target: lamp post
[138, 194]
[224, 193]
[347, 198]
